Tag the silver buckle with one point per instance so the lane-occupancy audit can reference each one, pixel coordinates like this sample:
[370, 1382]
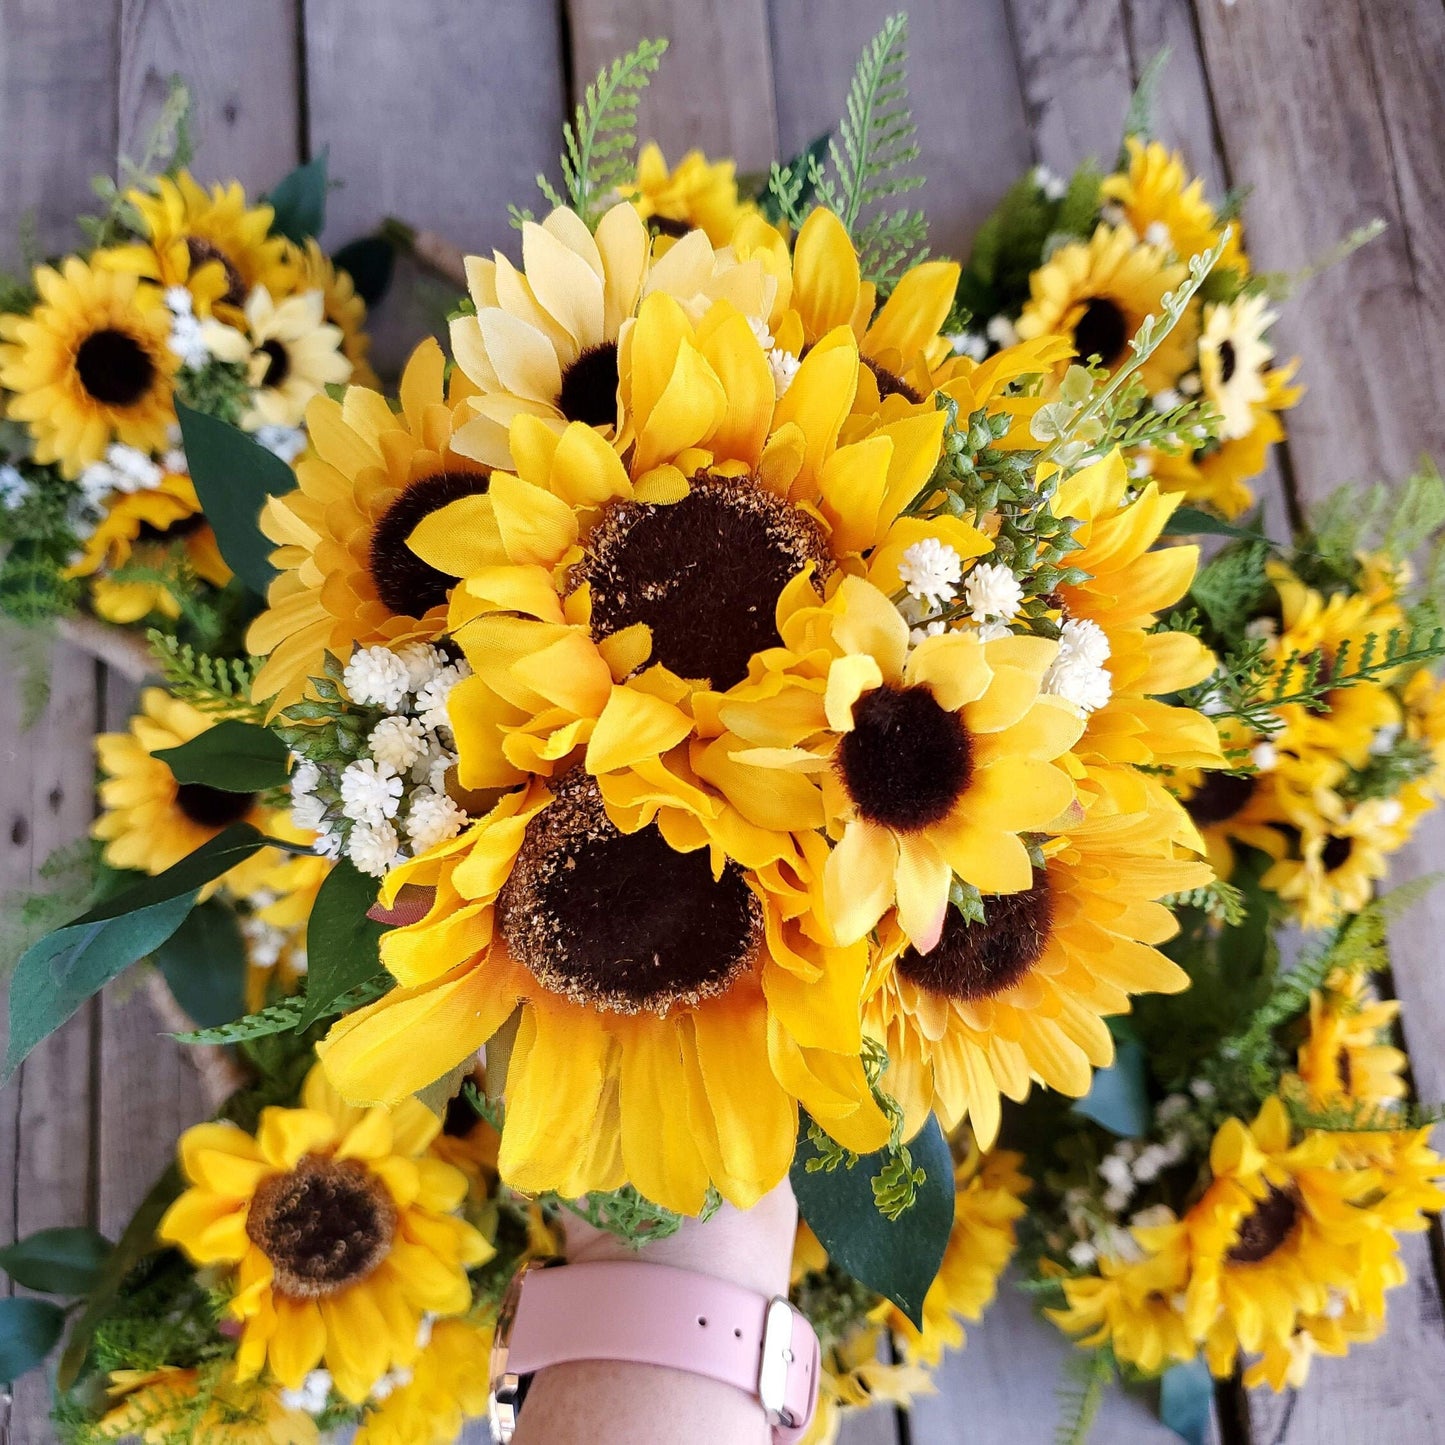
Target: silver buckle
[777, 1361]
[504, 1400]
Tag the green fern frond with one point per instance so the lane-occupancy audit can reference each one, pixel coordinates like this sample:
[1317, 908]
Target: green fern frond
[1080, 1395]
[1218, 900]
[283, 1016]
[600, 142]
[1139, 120]
[1361, 1116]
[220, 685]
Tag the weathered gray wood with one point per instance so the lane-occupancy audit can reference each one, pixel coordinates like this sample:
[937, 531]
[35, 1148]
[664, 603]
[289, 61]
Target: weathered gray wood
[241, 65]
[714, 90]
[965, 89]
[440, 113]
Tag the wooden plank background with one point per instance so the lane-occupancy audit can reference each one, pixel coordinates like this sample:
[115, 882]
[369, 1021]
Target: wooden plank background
[441, 112]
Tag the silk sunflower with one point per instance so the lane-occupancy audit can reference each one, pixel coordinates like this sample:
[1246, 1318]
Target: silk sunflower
[675, 1008]
[1234, 358]
[346, 576]
[343, 306]
[90, 365]
[448, 1385]
[1347, 1053]
[337, 1229]
[168, 1405]
[695, 195]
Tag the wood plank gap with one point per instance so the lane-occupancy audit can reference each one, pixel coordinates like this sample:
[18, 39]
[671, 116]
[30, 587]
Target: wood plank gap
[303, 87]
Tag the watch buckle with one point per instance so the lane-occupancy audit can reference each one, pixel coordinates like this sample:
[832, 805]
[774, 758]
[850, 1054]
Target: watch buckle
[777, 1362]
[504, 1399]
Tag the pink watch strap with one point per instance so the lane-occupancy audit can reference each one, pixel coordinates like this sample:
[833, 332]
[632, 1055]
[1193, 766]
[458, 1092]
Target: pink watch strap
[654, 1314]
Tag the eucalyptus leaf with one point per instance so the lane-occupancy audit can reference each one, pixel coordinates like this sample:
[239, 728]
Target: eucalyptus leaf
[1186, 1400]
[299, 202]
[29, 1329]
[897, 1258]
[234, 756]
[1192, 521]
[1119, 1097]
[59, 972]
[343, 946]
[234, 476]
[204, 965]
[57, 1261]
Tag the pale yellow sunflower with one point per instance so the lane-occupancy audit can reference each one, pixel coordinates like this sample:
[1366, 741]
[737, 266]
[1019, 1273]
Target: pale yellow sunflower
[343, 306]
[1234, 361]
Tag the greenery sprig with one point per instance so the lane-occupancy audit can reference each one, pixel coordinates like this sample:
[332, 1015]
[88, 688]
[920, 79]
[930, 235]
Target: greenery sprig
[217, 685]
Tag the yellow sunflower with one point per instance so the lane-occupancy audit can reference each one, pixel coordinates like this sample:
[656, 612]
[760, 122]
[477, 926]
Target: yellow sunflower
[853, 1378]
[543, 341]
[1098, 292]
[1347, 1053]
[695, 195]
[1424, 703]
[169, 1405]
[346, 577]
[448, 1385]
[149, 821]
[1234, 358]
[1159, 200]
[1023, 994]
[673, 1010]
[339, 1231]
[211, 242]
[91, 364]
[343, 307]
[140, 528]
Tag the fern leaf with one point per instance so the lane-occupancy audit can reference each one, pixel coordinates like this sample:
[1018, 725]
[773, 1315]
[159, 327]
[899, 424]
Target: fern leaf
[1081, 1393]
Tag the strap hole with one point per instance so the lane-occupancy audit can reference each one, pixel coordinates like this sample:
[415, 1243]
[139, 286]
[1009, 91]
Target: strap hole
[702, 1320]
[737, 1334]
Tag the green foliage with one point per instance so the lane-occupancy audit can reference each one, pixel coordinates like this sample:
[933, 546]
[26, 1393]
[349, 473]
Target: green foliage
[630, 1217]
[217, 685]
[1139, 119]
[1219, 901]
[284, 1016]
[29, 1330]
[342, 943]
[32, 589]
[600, 142]
[204, 964]
[70, 880]
[1232, 589]
[1387, 774]
[835, 1303]
[219, 388]
[234, 756]
[1281, 285]
[299, 202]
[1081, 1393]
[57, 1261]
[331, 730]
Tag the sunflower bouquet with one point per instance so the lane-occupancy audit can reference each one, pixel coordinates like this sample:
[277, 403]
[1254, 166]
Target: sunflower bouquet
[188, 305]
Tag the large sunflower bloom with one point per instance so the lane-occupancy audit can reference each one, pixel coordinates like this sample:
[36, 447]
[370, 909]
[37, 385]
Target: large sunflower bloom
[695, 195]
[339, 1230]
[449, 1385]
[347, 578]
[1098, 293]
[91, 364]
[673, 1012]
[168, 1404]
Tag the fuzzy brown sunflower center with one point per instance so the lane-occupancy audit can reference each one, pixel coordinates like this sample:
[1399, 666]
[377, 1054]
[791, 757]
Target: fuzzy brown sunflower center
[589, 387]
[979, 960]
[1102, 331]
[704, 574]
[1220, 797]
[325, 1225]
[407, 585]
[891, 384]
[668, 226]
[278, 363]
[1266, 1227]
[114, 367]
[620, 921]
[1336, 852]
[907, 760]
[209, 807]
[201, 252]
[1228, 362]
[1345, 1068]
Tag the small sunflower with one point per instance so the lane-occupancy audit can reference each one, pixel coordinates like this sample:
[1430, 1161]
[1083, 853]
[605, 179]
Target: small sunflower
[854, 1378]
[1234, 358]
[1098, 293]
[346, 576]
[1159, 200]
[1347, 1053]
[161, 1406]
[339, 1231]
[212, 242]
[290, 351]
[448, 1385]
[344, 307]
[695, 195]
[673, 1010]
[149, 821]
[141, 528]
[90, 365]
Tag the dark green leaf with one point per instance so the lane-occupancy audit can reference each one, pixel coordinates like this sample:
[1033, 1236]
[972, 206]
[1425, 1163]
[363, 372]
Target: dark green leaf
[897, 1258]
[234, 476]
[237, 757]
[343, 946]
[300, 202]
[1119, 1097]
[1191, 521]
[29, 1329]
[57, 1261]
[369, 261]
[1186, 1400]
[63, 969]
[204, 964]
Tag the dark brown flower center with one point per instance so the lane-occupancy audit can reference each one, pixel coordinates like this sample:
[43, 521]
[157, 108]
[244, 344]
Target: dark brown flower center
[209, 807]
[278, 363]
[1220, 797]
[978, 960]
[1345, 1069]
[1228, 362]
[1336, 852]
[667, 226]
[621, 921]
[114, 367]
[704, 574]
[907, 760]
[1102, 331]
[409, 586]
[1266, 1227]
[324, 1226]
[589, 387]
[201, 252]
[891, 384]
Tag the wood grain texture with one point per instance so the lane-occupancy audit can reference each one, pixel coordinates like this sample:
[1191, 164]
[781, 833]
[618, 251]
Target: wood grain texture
[964, 84]
[240, 63]
[437, 111]
[714, 89]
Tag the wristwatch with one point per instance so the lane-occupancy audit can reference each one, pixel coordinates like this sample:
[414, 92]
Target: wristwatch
[653, 1314]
